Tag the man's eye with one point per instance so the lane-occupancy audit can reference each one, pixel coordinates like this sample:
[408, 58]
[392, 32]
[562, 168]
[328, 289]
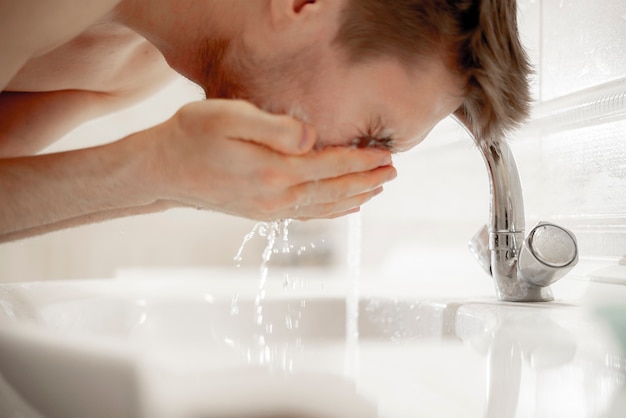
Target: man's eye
[367, 141]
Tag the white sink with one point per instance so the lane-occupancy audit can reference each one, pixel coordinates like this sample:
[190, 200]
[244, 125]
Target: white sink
[194, 348]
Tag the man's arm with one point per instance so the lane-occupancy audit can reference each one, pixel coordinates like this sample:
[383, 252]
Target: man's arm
[59, 190]
[219, 155]
[159, 206]
[30, 121]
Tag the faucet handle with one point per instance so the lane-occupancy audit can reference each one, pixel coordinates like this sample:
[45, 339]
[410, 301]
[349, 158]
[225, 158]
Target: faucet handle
[548, 253]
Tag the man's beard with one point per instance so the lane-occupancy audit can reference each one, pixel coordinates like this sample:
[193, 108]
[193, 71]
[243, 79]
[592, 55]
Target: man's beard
[230, 74]
[219, 79]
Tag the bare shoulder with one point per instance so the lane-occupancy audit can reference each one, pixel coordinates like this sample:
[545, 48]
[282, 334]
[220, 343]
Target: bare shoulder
[29, 28]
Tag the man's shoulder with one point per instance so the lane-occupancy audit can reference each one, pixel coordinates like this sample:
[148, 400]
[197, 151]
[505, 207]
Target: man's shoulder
[113, 62]
[33, 27]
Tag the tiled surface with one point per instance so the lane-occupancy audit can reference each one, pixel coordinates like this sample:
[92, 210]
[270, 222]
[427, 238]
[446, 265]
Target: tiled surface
[582, 44]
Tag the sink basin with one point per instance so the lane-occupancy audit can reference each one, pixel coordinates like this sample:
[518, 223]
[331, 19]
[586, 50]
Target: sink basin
[208, 347]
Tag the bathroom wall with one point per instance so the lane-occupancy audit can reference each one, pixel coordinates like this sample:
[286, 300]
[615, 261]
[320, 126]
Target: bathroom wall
[572, 160]
[580, 124]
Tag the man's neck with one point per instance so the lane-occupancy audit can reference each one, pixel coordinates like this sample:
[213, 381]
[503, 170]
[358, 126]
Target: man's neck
[178, 27]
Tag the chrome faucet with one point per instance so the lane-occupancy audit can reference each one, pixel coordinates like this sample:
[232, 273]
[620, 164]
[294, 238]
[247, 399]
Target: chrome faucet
[522, 267]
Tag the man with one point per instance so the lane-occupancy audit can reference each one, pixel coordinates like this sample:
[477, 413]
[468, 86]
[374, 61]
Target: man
[327, 88]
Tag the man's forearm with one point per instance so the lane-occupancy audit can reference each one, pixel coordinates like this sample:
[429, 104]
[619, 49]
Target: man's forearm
[91, 218]
[54, 191]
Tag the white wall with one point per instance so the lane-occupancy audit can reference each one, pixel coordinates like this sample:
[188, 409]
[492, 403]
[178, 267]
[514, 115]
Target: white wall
[572, 160]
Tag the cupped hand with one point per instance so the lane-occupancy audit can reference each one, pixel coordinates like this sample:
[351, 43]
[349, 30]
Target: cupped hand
[232, 157]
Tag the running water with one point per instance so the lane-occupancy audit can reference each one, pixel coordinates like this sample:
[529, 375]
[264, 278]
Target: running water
[277, 235]
[352, 296]
[275, 232]
[272, 230]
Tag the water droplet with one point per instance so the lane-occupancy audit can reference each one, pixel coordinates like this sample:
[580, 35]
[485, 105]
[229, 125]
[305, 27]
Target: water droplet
[234, 305]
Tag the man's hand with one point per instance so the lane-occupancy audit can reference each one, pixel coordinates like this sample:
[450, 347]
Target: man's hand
[232, 157]
[226, 156]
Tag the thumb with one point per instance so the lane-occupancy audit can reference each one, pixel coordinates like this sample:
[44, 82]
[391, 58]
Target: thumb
[281, 133]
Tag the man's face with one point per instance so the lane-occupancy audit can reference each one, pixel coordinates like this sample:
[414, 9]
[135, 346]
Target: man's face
[378, 103]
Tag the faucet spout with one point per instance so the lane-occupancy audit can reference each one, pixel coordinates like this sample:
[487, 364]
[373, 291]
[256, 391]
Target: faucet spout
[506, 226]
[507, 203]
[522, 268]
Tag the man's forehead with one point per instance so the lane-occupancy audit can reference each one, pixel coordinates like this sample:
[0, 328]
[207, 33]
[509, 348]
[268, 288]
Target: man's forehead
[411, 106]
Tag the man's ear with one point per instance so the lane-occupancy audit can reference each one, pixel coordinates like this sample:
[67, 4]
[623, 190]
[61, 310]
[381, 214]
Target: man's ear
[299, 5]
[284, 11]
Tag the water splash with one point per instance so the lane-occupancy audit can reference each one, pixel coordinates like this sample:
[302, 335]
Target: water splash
[273, 231]
[276, 232]
[234, 305]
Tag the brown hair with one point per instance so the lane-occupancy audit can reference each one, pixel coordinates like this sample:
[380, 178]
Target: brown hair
[481, 36]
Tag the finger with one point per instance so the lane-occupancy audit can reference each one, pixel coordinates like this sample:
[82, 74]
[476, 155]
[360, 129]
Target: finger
[335, 209]
[281, 133]
[334, 215]
[340, 188]
[336, 162]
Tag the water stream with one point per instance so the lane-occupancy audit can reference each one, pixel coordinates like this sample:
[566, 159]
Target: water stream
[275, 232]
[352, 295]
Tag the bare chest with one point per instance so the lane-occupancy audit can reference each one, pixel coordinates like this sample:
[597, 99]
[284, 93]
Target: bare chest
[104, 58]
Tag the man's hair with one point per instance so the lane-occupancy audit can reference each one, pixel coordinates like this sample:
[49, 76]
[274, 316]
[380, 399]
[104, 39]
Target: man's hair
[477, 38]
